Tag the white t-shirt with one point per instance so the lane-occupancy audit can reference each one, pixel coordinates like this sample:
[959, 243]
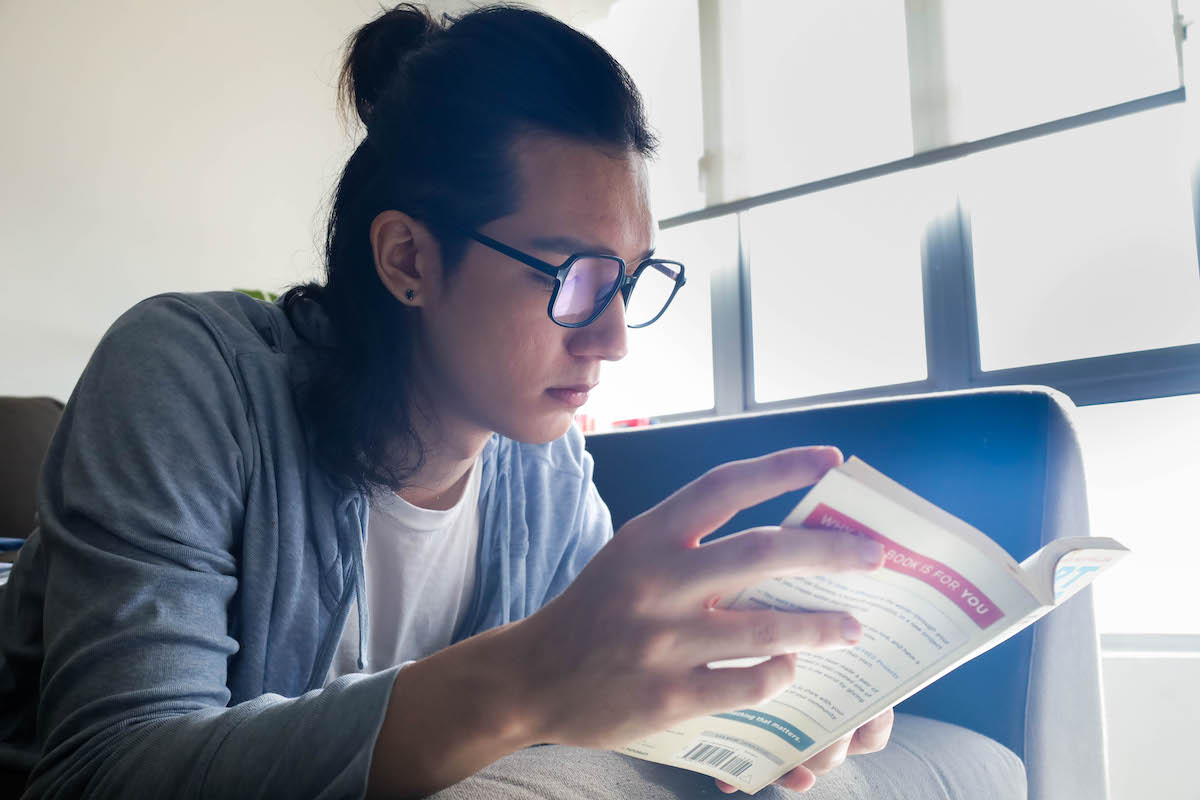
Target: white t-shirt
[420, 571]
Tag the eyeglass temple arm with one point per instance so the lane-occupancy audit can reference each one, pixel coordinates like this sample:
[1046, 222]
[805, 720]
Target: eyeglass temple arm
[536, 263]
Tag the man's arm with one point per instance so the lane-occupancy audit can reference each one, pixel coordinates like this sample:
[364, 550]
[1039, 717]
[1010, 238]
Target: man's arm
[141, 520]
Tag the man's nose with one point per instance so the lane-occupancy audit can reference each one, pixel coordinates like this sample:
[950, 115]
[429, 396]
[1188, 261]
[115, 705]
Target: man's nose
[604, 337]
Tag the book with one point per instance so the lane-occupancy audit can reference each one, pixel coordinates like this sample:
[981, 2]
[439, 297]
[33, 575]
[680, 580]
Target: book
[945, 594]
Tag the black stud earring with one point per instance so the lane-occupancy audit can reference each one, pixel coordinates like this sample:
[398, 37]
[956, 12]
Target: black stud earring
[410, 294]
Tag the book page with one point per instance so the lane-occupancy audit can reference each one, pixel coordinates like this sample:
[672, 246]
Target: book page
[1065, 566]
[877, 481]
[920, 616]
[1079, 568]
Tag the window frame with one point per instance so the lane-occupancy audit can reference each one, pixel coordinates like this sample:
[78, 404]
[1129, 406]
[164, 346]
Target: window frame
[951, 324]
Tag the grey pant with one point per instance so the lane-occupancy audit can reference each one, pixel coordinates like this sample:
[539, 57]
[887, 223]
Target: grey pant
[925, 760]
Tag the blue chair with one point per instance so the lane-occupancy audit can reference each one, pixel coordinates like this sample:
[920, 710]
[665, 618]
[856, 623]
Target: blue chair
[1005, 460]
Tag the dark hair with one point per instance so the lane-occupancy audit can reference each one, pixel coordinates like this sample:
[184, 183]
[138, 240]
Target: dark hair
[443, 102]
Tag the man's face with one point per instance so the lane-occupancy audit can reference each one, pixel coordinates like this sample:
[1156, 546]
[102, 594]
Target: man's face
[492, 355]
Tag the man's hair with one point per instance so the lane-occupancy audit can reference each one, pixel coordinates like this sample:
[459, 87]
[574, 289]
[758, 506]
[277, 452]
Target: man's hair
[443, 102]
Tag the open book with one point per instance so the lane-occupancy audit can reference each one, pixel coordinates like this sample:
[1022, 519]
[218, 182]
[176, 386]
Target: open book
[945, 594]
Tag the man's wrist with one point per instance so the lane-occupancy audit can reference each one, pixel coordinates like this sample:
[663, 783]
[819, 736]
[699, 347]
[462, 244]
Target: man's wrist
[497, 672]
[452, 714]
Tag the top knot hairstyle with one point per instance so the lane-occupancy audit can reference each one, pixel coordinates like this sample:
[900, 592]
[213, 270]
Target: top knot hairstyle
[443, 101]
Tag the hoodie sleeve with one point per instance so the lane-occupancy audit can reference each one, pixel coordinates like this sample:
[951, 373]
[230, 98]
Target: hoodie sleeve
[141, 509]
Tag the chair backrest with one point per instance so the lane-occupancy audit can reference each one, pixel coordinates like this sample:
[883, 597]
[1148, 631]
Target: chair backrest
[991, 457]
[26, 425]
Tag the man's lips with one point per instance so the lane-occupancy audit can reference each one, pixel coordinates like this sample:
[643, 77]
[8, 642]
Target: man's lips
[575, 395]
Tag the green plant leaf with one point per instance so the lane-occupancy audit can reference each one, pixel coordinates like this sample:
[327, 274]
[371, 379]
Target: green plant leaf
[259, 294]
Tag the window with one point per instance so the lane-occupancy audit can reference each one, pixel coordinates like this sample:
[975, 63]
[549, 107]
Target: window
[1085, 242]
[1142, 461]
[836, 293]
[753, 97]
[806, 90]
[1022, 62]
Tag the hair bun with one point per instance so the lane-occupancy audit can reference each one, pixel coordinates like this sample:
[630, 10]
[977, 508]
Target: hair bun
[375, 52]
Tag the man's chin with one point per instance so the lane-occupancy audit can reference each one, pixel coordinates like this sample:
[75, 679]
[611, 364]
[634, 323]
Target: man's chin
[542, 430]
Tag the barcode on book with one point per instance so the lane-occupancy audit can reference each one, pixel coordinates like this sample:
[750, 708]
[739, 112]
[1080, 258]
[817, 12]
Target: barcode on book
[723, 758]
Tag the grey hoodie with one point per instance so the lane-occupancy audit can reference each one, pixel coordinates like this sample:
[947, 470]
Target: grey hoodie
[167, 629]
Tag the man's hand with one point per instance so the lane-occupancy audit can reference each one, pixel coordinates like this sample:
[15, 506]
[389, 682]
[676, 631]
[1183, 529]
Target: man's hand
[869, 738]
[623, 652]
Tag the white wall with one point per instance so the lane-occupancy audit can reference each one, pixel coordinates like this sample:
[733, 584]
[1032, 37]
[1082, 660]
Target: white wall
[161, 146]
[156, 146]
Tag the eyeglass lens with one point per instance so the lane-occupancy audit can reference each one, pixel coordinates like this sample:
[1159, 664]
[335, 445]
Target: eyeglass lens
[653, 291]
[588, 283]
[592, 280]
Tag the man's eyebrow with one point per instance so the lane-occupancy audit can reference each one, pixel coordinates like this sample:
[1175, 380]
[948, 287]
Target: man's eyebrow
[569, 245]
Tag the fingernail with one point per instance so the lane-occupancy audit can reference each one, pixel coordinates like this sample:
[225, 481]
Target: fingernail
[870, 551]
[851, 630]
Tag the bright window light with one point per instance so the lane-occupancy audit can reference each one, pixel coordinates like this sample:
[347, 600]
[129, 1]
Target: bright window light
[811, 89]
[1143, 469]
[1085, 242]
[1022, 62]
[835, 282]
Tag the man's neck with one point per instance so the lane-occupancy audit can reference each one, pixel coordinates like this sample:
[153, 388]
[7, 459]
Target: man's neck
[443, 493]
[452, 451]
[452, 443]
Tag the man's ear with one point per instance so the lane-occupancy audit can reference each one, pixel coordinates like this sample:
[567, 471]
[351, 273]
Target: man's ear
[407, 257]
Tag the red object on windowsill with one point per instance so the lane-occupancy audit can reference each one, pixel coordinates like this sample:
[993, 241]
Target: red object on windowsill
[636, 422]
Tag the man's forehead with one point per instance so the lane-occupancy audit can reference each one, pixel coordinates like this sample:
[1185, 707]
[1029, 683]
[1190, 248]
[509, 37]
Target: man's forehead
[570, 244]
[578, 197]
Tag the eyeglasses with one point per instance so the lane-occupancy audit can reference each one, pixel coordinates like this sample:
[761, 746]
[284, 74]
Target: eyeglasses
[586, 283]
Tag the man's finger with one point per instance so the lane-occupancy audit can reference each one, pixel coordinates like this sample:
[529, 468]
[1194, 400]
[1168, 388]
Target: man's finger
[728, 689]
[708, 502]
[873, 735]
[745, 558]
[721, 634]
[800, 779]
[830, 757]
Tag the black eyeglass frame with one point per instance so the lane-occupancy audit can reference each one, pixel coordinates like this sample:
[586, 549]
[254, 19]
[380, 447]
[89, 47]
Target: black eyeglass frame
[624, 286]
